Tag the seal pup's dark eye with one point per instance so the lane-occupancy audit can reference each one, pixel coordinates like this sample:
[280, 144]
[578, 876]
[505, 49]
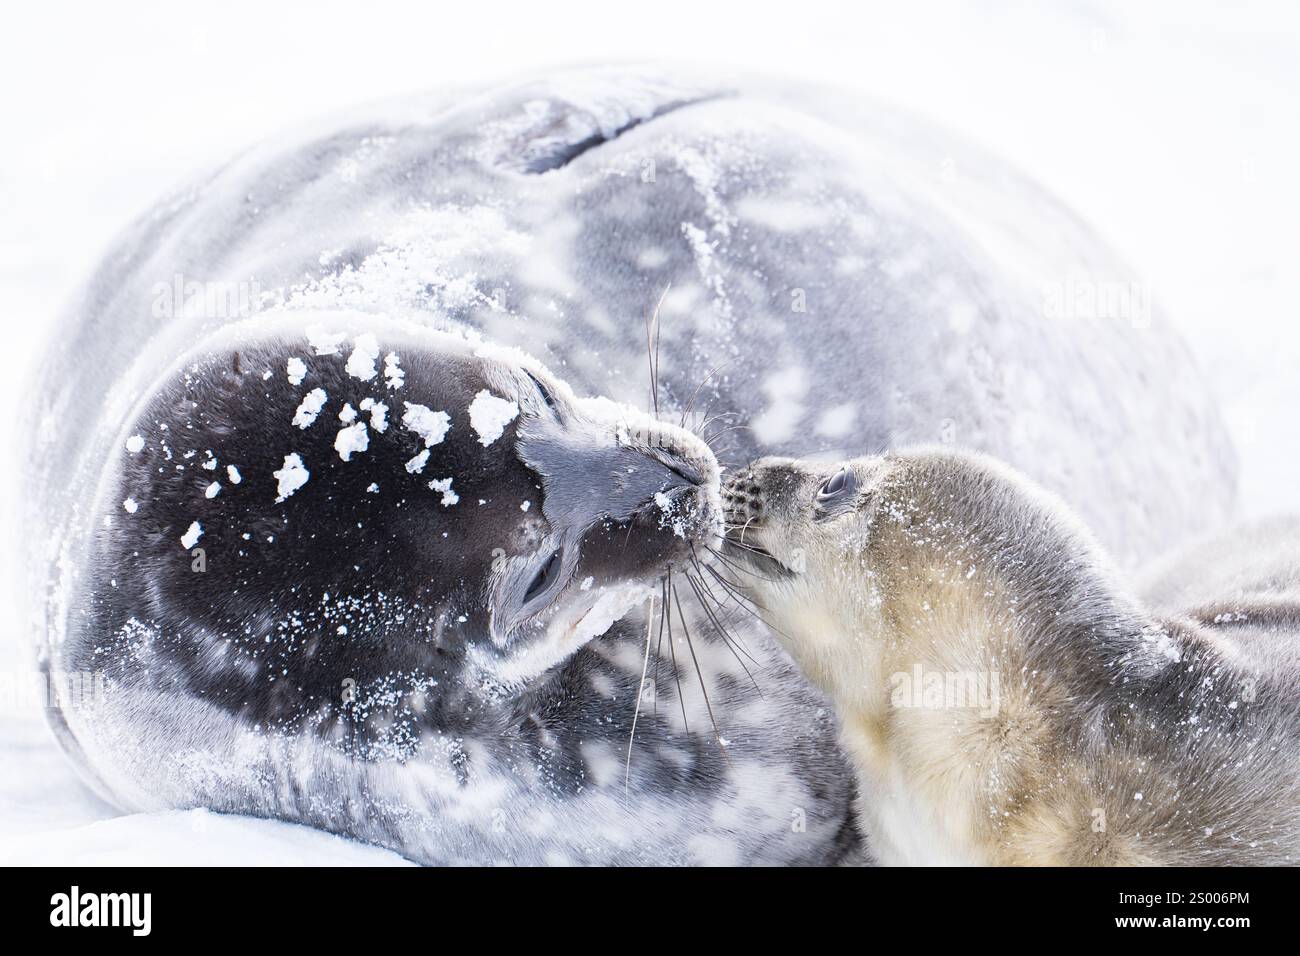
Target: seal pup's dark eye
[542, 390]
[838, 485]
[545, 577]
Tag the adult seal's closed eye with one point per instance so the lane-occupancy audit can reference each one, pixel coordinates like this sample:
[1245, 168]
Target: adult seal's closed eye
[1004, 699]
[469, 712]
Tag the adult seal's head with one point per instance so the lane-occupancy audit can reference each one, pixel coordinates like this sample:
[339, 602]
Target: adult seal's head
[388, 580]
[307, 511]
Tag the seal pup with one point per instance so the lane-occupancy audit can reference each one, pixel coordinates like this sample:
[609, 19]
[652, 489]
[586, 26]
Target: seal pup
[1003, 696]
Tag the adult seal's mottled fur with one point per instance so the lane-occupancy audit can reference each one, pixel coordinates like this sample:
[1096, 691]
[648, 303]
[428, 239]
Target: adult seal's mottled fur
[838, 277]
[1004, 697]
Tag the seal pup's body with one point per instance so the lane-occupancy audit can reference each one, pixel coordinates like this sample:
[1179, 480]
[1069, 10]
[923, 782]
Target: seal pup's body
[1003, 698]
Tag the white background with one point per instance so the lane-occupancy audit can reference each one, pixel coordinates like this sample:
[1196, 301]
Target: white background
[1172, 128]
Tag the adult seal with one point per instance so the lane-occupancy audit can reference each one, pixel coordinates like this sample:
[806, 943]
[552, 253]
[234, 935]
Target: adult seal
[381, 663]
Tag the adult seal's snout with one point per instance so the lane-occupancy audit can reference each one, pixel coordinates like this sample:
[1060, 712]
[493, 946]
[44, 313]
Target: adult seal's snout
[639, 466]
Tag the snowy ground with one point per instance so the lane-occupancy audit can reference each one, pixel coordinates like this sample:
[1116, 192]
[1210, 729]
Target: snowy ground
[1174, 128]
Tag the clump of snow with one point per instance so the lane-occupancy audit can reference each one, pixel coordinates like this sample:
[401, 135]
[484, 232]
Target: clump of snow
[130, 506]
[489, 416]
[378, 414]
[430, 425]
[393, 373]
[233, 474]
[673, 514]
[361, 363]
[348, 414]
[525, 506]
[449, 497]
[191, 536]
[213, 489]
[291, 477]
[416, 464]
[310, 407]
[325, 343]
[1167, 648]
[612, 605]
[134, 444]
[297, 370]
[354, 438]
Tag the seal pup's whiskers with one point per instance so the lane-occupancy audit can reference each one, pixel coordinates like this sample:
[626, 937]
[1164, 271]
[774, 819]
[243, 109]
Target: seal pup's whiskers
[732, 589]
[743, 529]
[744, 603]
[738, 545]
[740, 569]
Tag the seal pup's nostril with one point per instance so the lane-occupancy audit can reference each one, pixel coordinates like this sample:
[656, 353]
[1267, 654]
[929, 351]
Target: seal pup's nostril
[742, 500]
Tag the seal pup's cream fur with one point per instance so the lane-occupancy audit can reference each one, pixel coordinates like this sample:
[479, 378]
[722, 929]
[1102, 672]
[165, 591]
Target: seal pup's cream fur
[1002, 696]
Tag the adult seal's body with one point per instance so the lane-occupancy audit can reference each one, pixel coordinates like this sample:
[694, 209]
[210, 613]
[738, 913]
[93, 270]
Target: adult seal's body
[381, 662]
[1003, 695]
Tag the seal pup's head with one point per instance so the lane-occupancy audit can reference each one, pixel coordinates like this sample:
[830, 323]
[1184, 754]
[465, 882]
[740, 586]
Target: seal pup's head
[845, 558]
[309, 502]
[797, 543]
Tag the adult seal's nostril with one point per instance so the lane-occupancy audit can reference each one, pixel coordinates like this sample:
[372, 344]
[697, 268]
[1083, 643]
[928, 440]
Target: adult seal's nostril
[678, 466]
[653, 479]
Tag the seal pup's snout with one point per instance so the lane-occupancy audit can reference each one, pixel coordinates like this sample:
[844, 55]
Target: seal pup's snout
[756, 502]
[759, 493]
[742, 500]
